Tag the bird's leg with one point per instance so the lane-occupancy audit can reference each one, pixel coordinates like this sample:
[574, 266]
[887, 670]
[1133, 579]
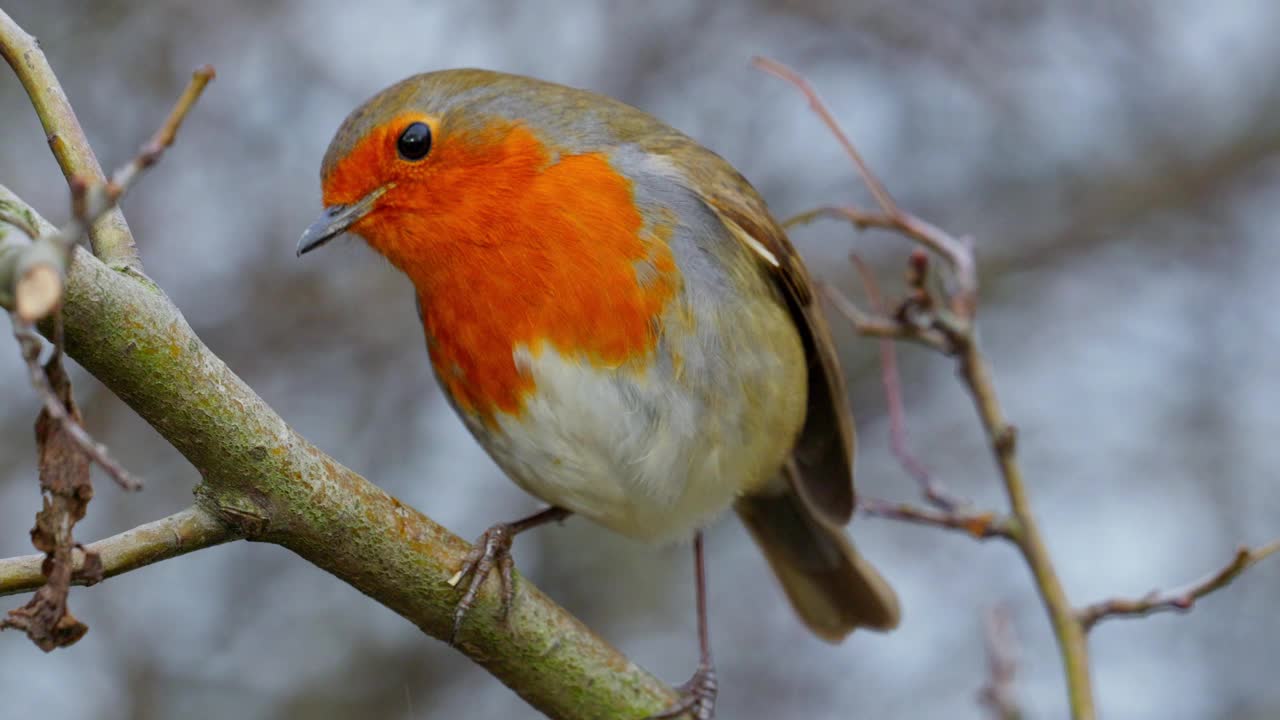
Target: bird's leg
[490, 549]
[698, 696]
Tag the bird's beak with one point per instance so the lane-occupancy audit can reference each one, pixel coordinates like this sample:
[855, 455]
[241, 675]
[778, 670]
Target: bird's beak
[336, 219]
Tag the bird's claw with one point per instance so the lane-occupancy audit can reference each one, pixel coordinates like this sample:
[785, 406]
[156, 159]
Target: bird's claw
[493, 548]
[697, 696]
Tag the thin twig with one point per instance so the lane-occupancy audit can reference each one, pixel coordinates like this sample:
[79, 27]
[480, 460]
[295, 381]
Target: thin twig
[1002, 664]
[957, 326]
[981, 525]
[30, 343]
[91, 200]
[38, 271]
[878, 191]
[163, 138]
[112, 241]
[892, 381]
[185, 531]
[1180, 600]
[956, 251]
[1002, 438]
[882, 327]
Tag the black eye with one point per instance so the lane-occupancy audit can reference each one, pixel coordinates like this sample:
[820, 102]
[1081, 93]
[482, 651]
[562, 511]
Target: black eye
[414, 142]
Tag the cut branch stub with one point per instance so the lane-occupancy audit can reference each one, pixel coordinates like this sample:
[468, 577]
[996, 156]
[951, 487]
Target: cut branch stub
[41, 273]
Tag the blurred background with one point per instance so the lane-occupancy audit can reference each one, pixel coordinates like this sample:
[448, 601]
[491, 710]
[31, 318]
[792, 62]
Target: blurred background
[1117, 164]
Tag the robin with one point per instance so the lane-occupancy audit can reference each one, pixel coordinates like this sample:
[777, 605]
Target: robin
[621, 324]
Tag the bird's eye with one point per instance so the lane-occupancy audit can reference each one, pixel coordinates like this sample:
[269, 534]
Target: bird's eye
[414, 142]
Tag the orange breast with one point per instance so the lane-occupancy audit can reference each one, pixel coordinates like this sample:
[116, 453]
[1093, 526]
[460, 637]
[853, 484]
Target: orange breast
[519, 250]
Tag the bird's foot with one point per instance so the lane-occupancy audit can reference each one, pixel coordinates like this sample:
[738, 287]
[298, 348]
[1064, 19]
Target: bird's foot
[491, 550]
[697, 697]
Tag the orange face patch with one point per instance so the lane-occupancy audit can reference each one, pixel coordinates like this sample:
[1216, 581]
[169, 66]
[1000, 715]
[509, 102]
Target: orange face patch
[509, 248]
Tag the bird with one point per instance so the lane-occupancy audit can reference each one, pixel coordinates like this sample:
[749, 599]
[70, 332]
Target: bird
[617, 318]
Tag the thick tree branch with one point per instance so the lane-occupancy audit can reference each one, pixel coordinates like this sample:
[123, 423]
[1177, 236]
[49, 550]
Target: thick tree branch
[269, 484]
[112, 241]
[1180, 600]
[183, 532]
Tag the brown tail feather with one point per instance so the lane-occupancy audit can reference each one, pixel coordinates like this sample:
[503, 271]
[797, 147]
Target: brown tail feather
[831, 587]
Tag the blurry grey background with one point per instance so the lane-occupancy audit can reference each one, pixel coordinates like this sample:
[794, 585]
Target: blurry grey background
[1116, 162]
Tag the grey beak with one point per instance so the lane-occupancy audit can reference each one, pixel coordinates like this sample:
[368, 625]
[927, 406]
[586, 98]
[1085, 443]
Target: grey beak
[335, 220]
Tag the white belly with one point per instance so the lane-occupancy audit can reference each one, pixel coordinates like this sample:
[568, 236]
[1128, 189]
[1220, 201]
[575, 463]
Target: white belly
[634, 454]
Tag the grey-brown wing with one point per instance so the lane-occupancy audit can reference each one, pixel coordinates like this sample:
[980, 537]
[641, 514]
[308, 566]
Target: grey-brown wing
[824, 451]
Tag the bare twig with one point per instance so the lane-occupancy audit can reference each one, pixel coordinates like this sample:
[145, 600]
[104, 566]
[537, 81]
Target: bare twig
[957, 252]
[30, 343]
[878, 191]
[1002, 665]
[956, 325]
[883, 327]
[91, 199]
[1003, 441]
[981, 525]
[163, 138]
[1179, 600]
[183, 532]
[112, 241]
[38, 271]
[948, 327]
[934, 493]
